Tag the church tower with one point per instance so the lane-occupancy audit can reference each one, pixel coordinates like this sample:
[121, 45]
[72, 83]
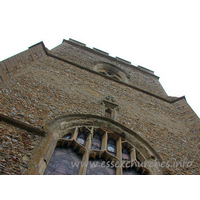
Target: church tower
[77, 110]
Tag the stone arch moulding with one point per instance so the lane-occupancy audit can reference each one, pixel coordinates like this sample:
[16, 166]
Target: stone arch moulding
[112, 71]
[61, 126]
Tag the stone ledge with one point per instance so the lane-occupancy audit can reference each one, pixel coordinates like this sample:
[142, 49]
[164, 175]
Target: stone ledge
[77, 42]
[22, 125]
[100, 51]
[145, 69]
[124, 61]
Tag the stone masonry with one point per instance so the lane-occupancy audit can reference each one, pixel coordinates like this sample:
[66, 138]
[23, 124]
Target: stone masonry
[39, 85]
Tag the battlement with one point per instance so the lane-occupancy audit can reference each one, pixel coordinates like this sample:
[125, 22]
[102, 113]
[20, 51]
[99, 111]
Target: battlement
[9, 65]
[76, 42]
[145, 69]
[103, 53]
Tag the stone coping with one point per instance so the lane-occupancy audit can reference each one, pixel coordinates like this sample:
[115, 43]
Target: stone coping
[22, 125]
[116, 59]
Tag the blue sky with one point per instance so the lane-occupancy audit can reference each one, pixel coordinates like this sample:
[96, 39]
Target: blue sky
[163, 36]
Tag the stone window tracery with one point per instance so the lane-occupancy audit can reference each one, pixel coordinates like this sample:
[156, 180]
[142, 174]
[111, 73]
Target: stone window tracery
[111, 146]
[93, 150]
[125, 153]
[110, 74]
[111, 71]
[81, 139]
[96, 142]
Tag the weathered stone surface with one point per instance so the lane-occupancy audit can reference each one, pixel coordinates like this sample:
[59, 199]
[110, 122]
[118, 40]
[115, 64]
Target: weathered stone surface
[87, 58]
[48, 88]
[15, 148]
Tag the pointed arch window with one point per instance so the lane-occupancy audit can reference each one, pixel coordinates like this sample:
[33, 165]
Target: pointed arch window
[93, 150]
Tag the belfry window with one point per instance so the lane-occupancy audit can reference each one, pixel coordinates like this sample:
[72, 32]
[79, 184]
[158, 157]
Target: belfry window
[111, 71]
[92, 150]
[110, 74]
